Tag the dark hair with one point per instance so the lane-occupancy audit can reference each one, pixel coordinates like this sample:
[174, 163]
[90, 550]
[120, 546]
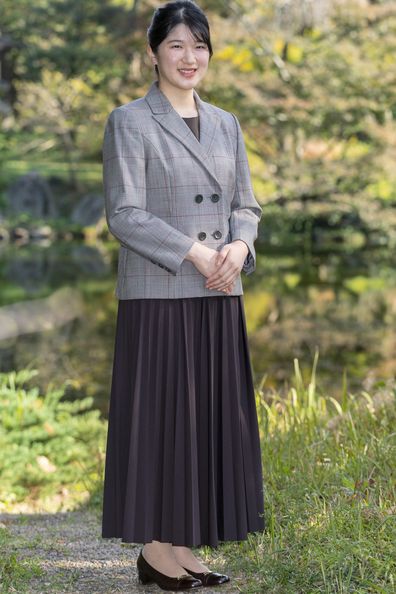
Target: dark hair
[169, 15]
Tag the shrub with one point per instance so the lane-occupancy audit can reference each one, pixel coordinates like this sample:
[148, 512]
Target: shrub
[52, 449]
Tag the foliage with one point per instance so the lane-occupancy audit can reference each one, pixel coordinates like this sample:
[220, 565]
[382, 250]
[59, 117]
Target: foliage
[329, 484]
[312, 83]
[330, 494]
[52, 451]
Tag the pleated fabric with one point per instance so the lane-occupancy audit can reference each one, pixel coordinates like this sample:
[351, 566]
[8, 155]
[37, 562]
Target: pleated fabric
[183, 458]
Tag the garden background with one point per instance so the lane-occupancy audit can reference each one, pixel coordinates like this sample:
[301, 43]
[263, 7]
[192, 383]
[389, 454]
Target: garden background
[313, 84]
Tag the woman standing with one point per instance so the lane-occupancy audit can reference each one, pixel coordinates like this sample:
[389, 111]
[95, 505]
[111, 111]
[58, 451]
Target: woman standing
[183, 461]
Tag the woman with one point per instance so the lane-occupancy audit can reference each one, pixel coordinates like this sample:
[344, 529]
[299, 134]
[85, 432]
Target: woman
[183, 460]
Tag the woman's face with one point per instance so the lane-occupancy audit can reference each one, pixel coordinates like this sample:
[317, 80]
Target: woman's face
[182, 61]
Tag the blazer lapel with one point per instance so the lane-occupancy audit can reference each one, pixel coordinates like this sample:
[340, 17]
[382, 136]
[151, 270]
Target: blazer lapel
[169, 119]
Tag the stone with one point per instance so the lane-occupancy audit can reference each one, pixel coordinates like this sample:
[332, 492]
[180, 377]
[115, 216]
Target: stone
[20, 233]
[42, 232]
[32, 195]
[89, 211]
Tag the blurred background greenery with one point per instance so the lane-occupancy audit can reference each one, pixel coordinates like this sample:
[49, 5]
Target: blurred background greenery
[313, 85]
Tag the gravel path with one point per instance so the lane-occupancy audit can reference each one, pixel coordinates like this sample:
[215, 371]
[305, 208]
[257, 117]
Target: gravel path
[76, 559]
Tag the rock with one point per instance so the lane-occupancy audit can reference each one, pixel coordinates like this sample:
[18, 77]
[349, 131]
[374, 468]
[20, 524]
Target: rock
[31, 194]
[20, 233]
[40, 315]
[44, 231]
[89, 212]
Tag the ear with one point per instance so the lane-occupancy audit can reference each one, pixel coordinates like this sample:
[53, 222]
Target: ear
[151, 54]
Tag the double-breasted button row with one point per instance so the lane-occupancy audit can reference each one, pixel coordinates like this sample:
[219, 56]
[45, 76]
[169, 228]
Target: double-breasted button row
[216, 234]
[213, 197]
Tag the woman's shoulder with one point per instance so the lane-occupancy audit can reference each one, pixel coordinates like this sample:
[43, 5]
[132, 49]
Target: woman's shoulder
[134, 108]
[227, 118]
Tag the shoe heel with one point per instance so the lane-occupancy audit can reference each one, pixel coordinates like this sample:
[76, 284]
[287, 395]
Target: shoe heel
[144, 578]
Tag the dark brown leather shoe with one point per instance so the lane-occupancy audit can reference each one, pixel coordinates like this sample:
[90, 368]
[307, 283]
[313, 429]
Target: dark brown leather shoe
[209, 578]
[147, 574]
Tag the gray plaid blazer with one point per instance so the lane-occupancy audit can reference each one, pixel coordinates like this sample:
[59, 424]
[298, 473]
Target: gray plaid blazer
[165, 189]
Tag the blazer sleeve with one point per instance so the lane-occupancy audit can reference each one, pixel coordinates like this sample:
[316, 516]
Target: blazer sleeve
[245, 210]
[124, 186]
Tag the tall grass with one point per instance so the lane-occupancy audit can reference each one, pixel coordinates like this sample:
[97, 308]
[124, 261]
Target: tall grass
[329, 484]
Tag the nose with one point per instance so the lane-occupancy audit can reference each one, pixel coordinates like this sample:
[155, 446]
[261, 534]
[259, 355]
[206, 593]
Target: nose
[189, 56]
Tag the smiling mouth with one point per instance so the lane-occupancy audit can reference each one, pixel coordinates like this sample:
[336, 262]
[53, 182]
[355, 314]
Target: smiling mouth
[187, 69]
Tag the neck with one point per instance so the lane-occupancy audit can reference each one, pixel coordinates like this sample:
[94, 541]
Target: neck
[182, 100]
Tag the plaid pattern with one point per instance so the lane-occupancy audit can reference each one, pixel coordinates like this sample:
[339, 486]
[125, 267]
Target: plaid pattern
[153, 169]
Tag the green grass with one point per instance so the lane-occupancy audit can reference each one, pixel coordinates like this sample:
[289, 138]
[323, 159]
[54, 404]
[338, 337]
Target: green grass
[14, 574]
[329, 484]
[330, 506]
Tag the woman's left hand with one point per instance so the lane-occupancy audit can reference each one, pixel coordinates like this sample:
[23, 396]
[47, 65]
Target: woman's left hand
[230, 261]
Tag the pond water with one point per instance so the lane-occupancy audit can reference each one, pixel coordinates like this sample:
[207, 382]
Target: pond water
[58, 313]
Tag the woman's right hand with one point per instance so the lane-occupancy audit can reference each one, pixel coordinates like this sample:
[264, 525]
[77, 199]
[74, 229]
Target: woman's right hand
[204, 260]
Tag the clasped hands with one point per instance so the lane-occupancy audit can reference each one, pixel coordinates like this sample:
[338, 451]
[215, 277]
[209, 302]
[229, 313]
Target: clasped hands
[220, 267]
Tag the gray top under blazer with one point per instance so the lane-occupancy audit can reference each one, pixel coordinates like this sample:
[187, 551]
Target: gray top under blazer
[165, 189]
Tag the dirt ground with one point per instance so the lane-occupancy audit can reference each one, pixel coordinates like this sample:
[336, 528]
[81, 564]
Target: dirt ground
[68, 547]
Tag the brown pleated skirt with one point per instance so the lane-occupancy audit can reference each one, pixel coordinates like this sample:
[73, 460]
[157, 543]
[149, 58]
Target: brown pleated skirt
[183, 458]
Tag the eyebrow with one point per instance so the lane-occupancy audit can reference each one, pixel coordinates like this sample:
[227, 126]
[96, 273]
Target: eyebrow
[182, 41]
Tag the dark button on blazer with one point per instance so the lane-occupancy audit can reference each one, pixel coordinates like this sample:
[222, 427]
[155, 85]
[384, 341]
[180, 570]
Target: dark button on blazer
[154, 172]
